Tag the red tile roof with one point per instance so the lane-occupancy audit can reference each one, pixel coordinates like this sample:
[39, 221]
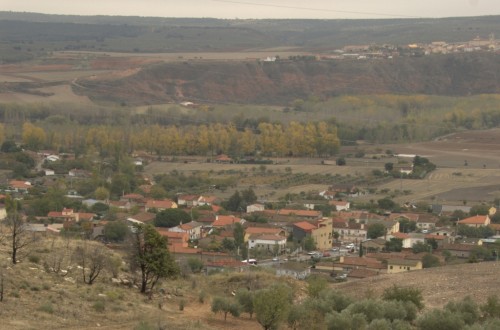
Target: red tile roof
[225, 220]
[143, 216]
[268, 237]
[263, 230]
[299, 213]
[160, 204]
[475, 220]
[305, 226]
[400, 235]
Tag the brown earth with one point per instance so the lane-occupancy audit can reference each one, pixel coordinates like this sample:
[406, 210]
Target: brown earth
[438, 285]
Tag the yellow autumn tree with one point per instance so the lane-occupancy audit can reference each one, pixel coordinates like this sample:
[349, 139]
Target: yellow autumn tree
[33, 137]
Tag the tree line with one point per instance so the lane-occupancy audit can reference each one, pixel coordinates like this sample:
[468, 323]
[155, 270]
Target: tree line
[316, 139]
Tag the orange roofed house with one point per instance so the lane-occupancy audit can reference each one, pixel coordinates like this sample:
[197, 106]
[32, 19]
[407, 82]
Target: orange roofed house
[160, 205]
[321, 232]
[476, 221]
[302, 214]
[226, 220]
[70, 215]
[174, 239]
[20, 186]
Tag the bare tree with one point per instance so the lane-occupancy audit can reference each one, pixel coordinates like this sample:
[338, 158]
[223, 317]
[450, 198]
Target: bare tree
[92, 259]
[17, 232]
[59, 256]
[1, 285]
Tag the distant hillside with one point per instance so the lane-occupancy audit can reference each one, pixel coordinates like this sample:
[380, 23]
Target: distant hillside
[28, 35]
[284, 81]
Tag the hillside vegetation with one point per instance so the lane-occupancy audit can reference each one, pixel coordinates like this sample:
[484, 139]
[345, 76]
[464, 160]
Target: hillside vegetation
[283, 81]
[27, 35]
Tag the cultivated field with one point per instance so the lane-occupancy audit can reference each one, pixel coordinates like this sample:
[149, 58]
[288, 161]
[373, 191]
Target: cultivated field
[452, 182]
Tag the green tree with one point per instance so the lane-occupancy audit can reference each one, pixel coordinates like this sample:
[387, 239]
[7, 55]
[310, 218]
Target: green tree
[437, 319]
[467, 309]
[195, 264]
[235, 203]
[340, 161]
[248, 196]
[150, 256]
[386, 203]
[388, 167]
[421, 247]
[345, 321]
[430, 260]
[228, 244]
[403, 294]
[115, 231]
[407, 226]
[481, 209]
[271, 306]
[171, 217]
[245, 298]
[225, 306]
[309, 243]
[316, 285]
[376, 230]
[239, 235]
[10, 146]
[491, 308]
[394, 245]
[101, 193]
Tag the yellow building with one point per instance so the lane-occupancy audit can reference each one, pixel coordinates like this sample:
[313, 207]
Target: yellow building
[402, 265]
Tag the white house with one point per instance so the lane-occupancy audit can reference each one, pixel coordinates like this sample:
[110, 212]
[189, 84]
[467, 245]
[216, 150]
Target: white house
[255, 208]
[52, 158]
[193, 229]
[49, 172]
[340, 205]
[272, 243]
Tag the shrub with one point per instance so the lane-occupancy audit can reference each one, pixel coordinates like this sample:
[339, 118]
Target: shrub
[47, 308]
[201, 297]
[371, 309]
[467, 309]
[195, 264]
[440, 320]
[345, 320]
[34, 259]
[143, 325]
[379, 324]
[398, 293]
[492, 307]
[225, 306]
[99, 306]
[182, 303]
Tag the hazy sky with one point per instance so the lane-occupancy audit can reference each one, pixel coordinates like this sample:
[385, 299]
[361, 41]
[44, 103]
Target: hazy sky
[260, 8]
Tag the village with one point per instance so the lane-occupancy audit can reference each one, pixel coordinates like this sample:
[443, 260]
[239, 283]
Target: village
[297, 241]
[390, 51]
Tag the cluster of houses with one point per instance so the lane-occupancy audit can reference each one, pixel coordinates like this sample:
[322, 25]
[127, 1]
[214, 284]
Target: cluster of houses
[361, 52]
[284, 235]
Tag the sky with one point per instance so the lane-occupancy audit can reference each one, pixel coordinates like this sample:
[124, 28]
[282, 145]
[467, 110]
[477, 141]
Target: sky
[244, 9]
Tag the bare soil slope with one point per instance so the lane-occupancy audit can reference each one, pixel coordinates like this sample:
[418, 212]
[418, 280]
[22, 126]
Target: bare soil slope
[439, 285]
